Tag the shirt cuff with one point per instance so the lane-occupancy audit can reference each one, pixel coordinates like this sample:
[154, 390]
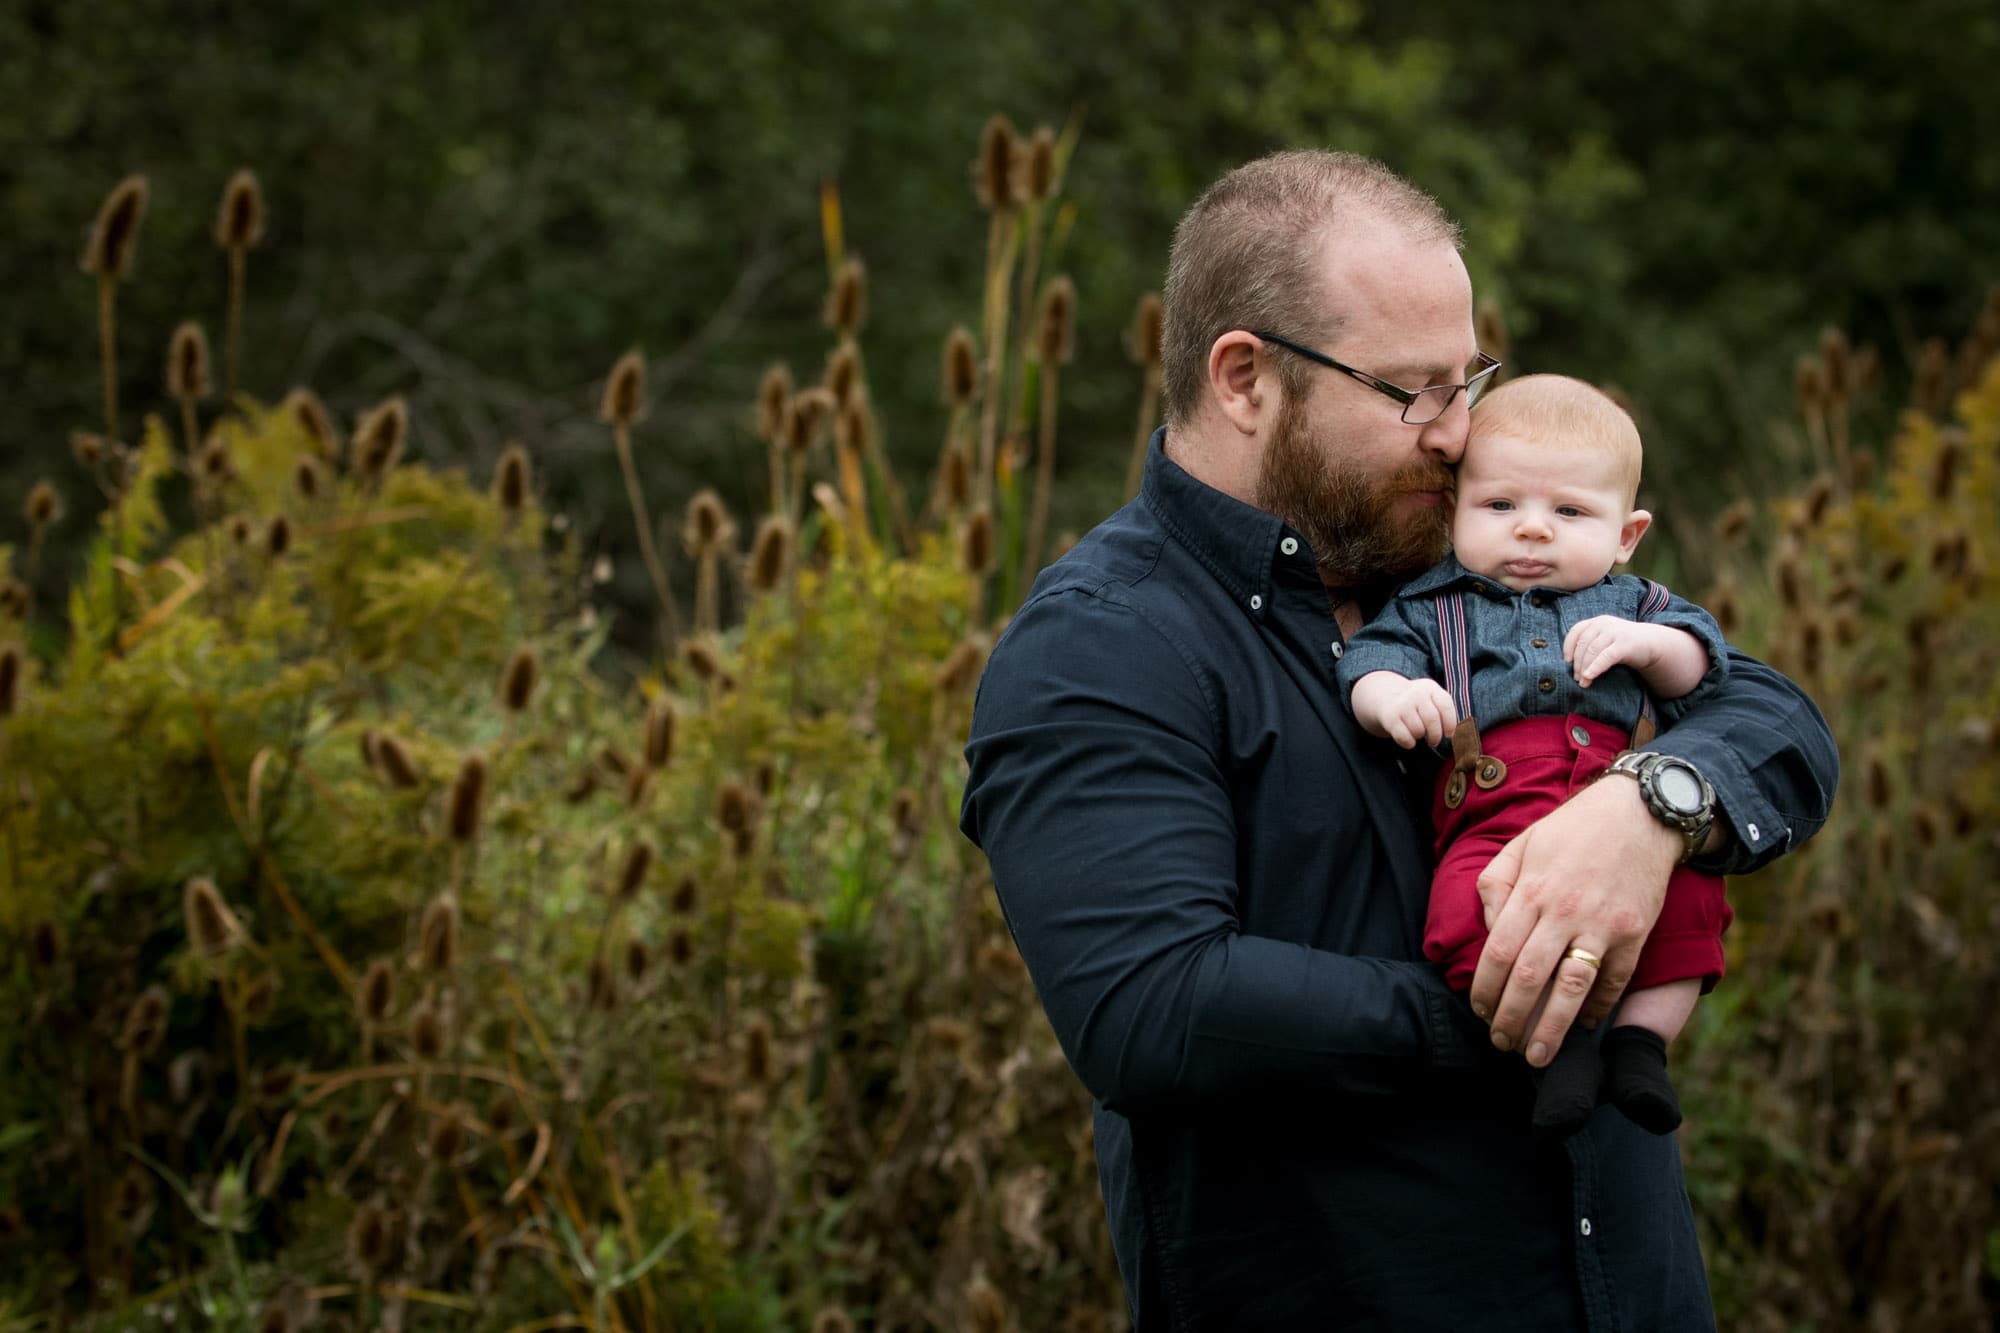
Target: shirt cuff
[1761, 832]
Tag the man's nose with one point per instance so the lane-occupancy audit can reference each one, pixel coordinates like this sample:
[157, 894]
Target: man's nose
[1444, 438]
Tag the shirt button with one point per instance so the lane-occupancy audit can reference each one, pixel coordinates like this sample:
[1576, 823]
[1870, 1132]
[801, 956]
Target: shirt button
[1256, 602]
[1584, 1227]
[1753, 832]
[1546, 685]
[1579, 735]
[1539, 643]
[1290, 546]
[1338, 651]
[1534, 599]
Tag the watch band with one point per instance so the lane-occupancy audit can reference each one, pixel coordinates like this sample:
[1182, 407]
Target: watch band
[1644, 767]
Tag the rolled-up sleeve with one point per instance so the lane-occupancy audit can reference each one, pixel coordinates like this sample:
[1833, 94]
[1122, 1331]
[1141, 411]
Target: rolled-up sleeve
[1095, 791]
[1769, 754]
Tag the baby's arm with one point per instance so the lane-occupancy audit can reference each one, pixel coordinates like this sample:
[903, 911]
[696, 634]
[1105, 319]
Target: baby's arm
[1671, 661]
[1404, 710]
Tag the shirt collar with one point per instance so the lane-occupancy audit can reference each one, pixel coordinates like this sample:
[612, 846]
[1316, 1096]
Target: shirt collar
[1448, 573]
[1236, 542]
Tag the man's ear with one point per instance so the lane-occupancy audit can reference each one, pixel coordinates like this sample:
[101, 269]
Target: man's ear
[1244, 385]
[1635, 527]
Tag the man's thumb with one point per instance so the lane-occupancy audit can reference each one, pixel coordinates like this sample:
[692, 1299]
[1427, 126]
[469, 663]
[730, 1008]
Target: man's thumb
[1496, 882]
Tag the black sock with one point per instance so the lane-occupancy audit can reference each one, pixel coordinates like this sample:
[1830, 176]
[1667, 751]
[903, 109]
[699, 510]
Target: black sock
[1636, 1082]
[1569, 1086]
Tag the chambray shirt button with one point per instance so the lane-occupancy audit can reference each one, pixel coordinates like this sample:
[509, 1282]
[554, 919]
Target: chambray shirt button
[1585, 1226]
[1580, 736]
[1290, 546]
[1339, 651]
[1539, 643]
[1546, 685]
[1256, 602]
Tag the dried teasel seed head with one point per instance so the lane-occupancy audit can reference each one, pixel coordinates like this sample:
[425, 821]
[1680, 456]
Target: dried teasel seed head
[212, 928]
[468, 790]
[447, 1134]
[633, 870]
[513, 478]
[948, 1033]
[614, 759]
[637, 961]
[1055, 334]
[260, 998]
[904, 809]
[278, 537]
[1932, 376]
[843, 373]
[1149, 325]
[997, 172]
[396, 762]
[757, 1049]
[379, 438]
[239, 221]
[625, 391]
[1038, 179]
[1893, 569]
[517, 679]
[1877, 787]
[975, 544]
[305, 408]
[368, 1238]
[770, 554]
[1817, 498]
[766, 777]
[700, 659]
[660, 718]
[145, 1022]
[1948, 554]
[637, 783]
[277, 1083]
[961, 367]
[375, 998]
[847, 303]
[132, 1199]
[811, 410]
[187, 363]
[734, 805]
[1809, 387]
[1837, 356]
[1791, 580]
[707, 523]
[114, 238]
[16, 598]
[988, 1312]
[956, 482]
[832, 1320]
[1945, 468]
[601, 990]
[437, 934]
[774, 402]
[961, 669]
[43, 506]
[427, 1030]
[87, 448]
[1925, 826]
[680, 948]
[44, 945]
[687, 894]
[10, 677]
[240, 529]
[1734, 521]
[306, 478]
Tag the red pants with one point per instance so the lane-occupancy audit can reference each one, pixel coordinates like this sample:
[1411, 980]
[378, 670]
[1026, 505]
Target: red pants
[1545, 763]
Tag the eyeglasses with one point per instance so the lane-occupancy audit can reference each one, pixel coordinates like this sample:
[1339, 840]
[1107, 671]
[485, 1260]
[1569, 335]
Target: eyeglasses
[1420, 406]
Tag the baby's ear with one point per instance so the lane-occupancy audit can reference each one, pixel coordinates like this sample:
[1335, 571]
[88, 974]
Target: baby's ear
[1635, 527]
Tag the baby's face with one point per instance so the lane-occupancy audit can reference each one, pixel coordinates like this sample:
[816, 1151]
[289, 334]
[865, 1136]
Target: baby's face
[1529, 516]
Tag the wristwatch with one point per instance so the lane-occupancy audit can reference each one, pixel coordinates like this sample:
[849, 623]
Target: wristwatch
[1675, 792]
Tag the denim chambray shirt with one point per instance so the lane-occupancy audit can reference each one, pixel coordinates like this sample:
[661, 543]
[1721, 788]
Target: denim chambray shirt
[1514, 645]
[1218, 883]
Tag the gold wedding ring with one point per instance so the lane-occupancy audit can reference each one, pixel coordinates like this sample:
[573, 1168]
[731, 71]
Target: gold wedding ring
[1586, 957]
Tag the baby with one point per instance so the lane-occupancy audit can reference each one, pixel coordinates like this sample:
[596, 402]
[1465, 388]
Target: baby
[1559, 661]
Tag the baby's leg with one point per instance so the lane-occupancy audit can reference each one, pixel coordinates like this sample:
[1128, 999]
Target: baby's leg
[1635, 1053]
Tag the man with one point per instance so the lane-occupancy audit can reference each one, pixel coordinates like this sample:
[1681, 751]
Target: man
[1218, 882]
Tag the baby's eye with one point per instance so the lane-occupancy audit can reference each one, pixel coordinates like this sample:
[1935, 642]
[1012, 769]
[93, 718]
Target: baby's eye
[1569, 511]
[1500, 506]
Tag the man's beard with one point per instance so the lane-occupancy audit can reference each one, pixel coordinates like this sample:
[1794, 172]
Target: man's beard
[1347, 516]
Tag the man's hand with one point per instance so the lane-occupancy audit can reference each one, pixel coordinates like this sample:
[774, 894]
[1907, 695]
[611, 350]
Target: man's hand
[1404, 710]
[1590, 876]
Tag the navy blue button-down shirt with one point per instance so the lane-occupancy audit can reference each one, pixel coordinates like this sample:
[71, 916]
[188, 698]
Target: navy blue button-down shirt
[1218, 884]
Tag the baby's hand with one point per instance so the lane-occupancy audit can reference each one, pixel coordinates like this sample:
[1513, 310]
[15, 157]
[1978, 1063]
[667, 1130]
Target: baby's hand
[1596, 645]
[1404, 710]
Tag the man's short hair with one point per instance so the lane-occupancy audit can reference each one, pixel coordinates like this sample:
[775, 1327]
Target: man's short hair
[1246, 255]
[1556, 412]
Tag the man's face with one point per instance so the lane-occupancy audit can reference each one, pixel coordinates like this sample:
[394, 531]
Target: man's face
[1369, 492]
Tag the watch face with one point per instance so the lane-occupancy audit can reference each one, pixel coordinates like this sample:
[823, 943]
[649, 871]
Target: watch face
[1679, 788]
